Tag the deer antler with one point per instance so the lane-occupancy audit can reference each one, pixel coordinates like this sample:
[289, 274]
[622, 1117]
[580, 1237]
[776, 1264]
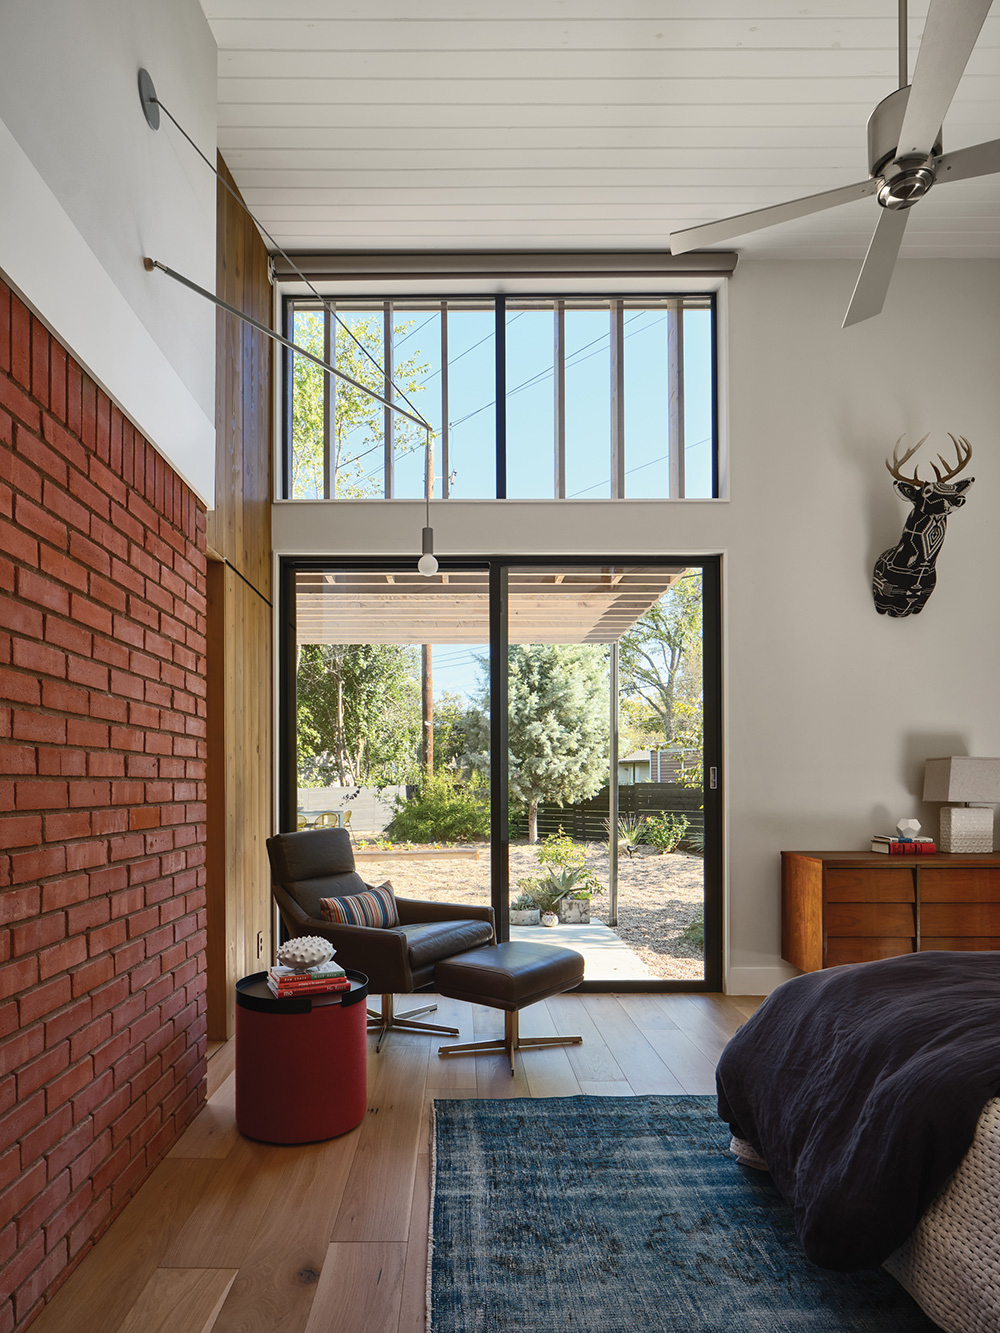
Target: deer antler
[963, 452]
[897, 462]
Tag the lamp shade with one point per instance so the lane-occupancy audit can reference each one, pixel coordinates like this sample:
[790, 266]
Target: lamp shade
[962, 778]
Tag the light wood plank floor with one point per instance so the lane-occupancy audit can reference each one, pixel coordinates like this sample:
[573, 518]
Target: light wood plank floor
[228, 1234]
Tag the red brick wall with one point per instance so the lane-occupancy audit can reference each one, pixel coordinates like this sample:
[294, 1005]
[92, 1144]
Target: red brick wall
[102, 789]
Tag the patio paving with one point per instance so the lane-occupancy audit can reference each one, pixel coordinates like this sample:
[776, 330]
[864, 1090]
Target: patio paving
[606, 956]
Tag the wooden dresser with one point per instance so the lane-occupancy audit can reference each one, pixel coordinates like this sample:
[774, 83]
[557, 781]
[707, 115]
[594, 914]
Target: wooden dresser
[843, 907]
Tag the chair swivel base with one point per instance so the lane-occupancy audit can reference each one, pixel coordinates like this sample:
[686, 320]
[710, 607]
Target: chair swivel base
[388, 1020]
[512, 1041]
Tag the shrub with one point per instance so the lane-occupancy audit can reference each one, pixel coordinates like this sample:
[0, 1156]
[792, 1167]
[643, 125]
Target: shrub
[560, 856]
[664, 831]
[442, 810]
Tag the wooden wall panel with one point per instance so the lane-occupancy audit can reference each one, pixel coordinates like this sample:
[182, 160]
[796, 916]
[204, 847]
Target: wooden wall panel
[240, 707]
[239, 528]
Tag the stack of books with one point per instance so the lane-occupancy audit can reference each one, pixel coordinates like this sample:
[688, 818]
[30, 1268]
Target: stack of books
[903, 846]
[284, 981]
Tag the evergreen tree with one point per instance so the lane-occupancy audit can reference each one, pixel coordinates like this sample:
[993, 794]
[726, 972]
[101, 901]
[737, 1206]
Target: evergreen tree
[557, 725]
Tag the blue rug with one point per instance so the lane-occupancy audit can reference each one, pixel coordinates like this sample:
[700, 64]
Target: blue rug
[624, 1215]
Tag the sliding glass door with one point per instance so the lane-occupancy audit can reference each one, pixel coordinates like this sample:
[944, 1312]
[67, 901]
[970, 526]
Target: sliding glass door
[542, 736]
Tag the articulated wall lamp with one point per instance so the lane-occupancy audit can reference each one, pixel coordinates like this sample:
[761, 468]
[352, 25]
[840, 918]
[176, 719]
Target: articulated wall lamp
[151, 107]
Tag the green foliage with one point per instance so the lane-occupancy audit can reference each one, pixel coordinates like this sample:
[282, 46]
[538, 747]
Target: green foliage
[631, 830]
[664, 831]
[660, 662]
[694, 933]
[359, 421]
[451, 715]
[560, 856]
[557, 725]
[546, 891]
[358, 714]
[523, 902]
[443, 809]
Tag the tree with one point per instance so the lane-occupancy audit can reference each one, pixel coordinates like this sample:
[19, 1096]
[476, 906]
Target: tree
[359, 421]
[358, 714]
[451, 723]
[660, 658]
[557, 725]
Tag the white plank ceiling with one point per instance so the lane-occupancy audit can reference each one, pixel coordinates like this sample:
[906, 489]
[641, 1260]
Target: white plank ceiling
[578, 124]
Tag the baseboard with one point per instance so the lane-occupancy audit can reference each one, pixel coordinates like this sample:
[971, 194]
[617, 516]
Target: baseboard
[757, 980]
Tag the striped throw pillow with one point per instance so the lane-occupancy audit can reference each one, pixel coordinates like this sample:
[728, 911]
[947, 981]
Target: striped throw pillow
[374, 907]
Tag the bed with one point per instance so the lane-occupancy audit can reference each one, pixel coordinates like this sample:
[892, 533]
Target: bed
[871, 1093]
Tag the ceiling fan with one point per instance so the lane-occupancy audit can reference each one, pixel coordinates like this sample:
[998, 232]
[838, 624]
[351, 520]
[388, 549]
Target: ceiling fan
[905, 156]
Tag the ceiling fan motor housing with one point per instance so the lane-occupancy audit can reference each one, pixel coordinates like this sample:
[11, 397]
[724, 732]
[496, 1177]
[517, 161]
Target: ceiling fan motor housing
[907, 178]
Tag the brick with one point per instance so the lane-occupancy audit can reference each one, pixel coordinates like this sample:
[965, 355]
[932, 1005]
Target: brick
[92, 613]
[93, 974]
[44, 998]
[39, 933]
[20, 341]
[30, 1293]
[40, 727]
[38, 520]
[57, 380]
[63, 892]
[36, 1073]
[17, 402]
[18, 545]
[67, 1024]
[61, 956]
[17, 758]
[16, 977]
[89, 553]
[20, 831]
[20, 1049]
[42, 592]
[18, 905]
[41, 795]
[37, 656]
[66, 1085]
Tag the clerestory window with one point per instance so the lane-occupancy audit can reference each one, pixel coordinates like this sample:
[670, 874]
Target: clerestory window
[583, 397]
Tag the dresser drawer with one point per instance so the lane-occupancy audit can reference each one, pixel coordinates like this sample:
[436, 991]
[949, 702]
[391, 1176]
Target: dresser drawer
[869, 886]
[853, 949]
[870, 919]
[940, 919]
[951, 943]
[966, 885]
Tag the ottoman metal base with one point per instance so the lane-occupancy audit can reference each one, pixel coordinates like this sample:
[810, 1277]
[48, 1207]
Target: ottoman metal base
[512, 1041]
[510, 977]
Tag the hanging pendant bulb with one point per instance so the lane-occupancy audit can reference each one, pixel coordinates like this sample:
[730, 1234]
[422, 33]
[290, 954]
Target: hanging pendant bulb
[427, 564]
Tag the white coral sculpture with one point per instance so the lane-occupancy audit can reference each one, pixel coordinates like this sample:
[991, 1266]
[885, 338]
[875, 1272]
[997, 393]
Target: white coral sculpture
[305, 952]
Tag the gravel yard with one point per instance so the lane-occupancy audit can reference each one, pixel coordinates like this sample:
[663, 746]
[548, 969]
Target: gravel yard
[658, 896]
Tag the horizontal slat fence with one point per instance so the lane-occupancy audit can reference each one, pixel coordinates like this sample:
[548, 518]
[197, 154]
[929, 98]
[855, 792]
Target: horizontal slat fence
[585, 820]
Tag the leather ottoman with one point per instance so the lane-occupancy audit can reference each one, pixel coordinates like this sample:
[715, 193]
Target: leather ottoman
[509, 977]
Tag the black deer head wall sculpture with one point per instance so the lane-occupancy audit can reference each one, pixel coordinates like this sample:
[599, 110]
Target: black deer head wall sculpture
[904, 575]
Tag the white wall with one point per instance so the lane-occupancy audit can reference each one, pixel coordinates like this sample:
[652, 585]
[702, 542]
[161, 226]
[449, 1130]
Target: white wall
[830, 708]
[88, 189]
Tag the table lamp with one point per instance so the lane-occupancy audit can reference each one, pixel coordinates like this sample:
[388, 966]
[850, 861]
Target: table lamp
[964, 827]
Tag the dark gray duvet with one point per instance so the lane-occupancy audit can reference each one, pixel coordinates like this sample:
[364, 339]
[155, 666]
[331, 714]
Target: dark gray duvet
[861, 1087]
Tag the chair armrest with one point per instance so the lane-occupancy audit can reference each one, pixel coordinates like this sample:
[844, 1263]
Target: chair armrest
[414, 910]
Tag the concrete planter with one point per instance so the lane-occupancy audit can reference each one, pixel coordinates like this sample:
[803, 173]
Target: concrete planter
[574, 911]
[524, 916]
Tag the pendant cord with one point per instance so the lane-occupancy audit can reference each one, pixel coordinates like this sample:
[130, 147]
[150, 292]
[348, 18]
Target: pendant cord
[287, 258]
[904, 50]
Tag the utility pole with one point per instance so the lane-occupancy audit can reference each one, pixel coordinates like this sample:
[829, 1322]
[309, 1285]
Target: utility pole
[426, 651]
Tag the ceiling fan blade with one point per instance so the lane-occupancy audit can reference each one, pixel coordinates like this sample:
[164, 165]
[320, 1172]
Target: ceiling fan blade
[949, 35]
[981, 159]
[876, 272]
[728, 228]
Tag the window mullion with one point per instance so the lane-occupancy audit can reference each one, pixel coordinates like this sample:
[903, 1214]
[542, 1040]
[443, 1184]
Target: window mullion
[559, 377]
[617, 400]
[445, 432]
[388, 466]
[329, 409]
[675, 392]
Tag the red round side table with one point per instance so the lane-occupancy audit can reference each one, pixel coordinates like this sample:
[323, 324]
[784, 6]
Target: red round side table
[301, 1063]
